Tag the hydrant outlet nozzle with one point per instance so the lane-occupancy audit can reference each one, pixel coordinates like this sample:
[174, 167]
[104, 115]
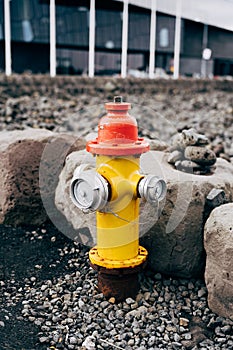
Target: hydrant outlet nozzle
[153, 189]
[89, 190]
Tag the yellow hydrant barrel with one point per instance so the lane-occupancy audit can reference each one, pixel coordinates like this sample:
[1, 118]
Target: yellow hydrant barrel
[117, 150]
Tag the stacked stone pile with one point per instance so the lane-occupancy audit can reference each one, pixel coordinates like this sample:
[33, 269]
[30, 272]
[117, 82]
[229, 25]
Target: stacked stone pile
[190, 153]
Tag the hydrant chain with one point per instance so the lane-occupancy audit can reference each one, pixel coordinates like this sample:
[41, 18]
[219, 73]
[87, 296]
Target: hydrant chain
[116, 215]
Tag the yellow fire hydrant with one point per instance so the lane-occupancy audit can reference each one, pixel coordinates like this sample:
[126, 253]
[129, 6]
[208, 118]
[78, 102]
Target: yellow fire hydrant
[114, 190]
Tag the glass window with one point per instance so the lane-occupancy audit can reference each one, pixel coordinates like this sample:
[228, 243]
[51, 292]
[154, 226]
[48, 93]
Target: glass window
[164, 37]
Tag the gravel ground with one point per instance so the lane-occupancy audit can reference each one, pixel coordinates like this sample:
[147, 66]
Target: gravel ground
[50, 301]
[48, 295]
[159, 116]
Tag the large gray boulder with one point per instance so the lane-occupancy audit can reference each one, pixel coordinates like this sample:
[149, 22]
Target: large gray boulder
[175, 240]
[218, 241]
[23, 156]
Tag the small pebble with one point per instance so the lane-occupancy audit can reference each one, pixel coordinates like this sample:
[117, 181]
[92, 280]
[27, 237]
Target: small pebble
[184, 322]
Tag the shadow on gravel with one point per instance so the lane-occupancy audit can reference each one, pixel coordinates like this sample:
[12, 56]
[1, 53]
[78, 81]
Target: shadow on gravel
[24, 256]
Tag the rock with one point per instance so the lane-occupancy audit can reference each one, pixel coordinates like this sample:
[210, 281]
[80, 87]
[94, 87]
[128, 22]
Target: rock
[137, 313]
[73, 340]
[189, 137]
[43, 339]
[156, 145]
[112, 300]
[21, 155]
[218, 149]
[189, 166]
[175, 241]
[51, 164]
[200, 155]
[109, 86]
[174, 156]
[215, 198]
[184, 322]
[218, 242]
[177, 142]
[75, 216]
[178, 165]
[201, 292]
[189, 153]
[89, 343]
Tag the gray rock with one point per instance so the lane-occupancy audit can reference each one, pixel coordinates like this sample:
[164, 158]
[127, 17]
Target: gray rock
[187, 336]
[137, 313]
[201, 292]
[192, 137]
[218, 241]
[189, 137]
[156, 145]
[176, 337]
[175, 240]
[130, 301]
[20, 154]
[189, 165]
[89, 343]
[43, 339]
[200, 155]
[174, 156]
[75, 216]
[109, 86]
[23, 177]
[215, 198]
[178, 165]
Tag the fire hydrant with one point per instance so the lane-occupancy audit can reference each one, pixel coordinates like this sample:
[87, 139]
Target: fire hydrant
[114, 190]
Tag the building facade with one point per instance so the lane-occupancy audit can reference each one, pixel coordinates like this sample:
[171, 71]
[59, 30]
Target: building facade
[30, 39]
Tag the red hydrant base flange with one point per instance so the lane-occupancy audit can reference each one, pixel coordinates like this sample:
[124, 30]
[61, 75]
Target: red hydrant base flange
[118, 149]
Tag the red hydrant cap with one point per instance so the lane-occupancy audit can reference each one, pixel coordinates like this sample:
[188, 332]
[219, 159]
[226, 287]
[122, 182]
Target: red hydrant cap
[117, 132]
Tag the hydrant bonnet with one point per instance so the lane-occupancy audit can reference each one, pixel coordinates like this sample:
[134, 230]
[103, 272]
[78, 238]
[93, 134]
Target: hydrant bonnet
[117, 132]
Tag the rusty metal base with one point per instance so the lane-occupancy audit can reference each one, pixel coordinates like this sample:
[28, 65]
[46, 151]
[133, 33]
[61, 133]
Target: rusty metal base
[118, 283]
